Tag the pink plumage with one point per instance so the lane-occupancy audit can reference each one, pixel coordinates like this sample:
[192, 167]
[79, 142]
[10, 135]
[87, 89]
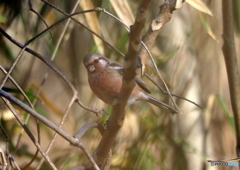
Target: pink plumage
[105, 80]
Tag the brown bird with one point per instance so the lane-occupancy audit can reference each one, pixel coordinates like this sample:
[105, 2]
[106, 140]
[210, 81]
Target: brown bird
[105, 80]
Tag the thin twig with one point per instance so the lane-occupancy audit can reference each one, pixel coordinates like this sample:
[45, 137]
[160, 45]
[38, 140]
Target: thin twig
[164, 92]
[3, 82]
[48, 63]
[161, 78]
[51, 125]
[31, 105]
[44, 80]
[28, 133]
[60, 126]
[97, 9]
[7, 143]
[11, 160]
[3, 160]
[12, 67]
[97, 112]
[18, 87]
[28, 116]
[88, 126]
[35, 12]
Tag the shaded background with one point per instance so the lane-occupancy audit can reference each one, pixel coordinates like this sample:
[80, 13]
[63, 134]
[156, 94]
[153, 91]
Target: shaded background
[188, 54]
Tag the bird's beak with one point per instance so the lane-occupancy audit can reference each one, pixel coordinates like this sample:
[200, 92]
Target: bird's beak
[91, 68]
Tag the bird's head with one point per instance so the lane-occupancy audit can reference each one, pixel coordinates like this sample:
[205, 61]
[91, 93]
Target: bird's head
[95, 62]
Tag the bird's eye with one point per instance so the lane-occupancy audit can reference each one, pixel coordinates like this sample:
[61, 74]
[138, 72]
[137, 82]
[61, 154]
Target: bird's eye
[96, 61]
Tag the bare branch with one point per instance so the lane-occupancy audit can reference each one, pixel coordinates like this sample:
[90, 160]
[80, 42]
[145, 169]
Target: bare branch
[97, 112]
[97, 9]
[88, 126]
[12, 161]
[29, 133]
[51, 125]
[48, 63]
[18, 87]
[117, 117]
[164, 15]
[24, 47]
[30, 104]
[3, 160]
[35, 12]
[60, 126]
[43, 81]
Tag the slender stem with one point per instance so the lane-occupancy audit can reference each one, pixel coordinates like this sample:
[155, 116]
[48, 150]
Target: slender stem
[231, 65]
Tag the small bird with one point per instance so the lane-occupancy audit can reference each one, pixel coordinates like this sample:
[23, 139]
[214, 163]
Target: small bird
[105, 80]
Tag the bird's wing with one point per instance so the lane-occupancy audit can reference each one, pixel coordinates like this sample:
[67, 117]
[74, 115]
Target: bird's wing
[114, 64]
[118, 67]
[141, 84]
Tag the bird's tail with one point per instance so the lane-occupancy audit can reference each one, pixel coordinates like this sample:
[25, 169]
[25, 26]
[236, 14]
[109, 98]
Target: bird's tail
[161, 105]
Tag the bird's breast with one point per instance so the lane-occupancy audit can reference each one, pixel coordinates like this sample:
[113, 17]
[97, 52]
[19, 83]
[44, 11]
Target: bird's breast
[105, 85]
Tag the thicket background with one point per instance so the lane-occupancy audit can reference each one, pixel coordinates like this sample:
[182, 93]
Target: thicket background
[188, 53]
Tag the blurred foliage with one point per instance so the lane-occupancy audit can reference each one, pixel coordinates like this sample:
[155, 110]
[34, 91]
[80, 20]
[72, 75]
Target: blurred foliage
[188, 55]
[236, 15]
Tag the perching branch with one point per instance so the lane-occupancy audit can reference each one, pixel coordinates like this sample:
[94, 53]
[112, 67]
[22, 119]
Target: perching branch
[117, 117]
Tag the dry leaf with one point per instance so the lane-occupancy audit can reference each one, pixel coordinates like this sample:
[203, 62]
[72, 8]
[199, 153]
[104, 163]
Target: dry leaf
[199, 5]
[123, 11]
[93, 23]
